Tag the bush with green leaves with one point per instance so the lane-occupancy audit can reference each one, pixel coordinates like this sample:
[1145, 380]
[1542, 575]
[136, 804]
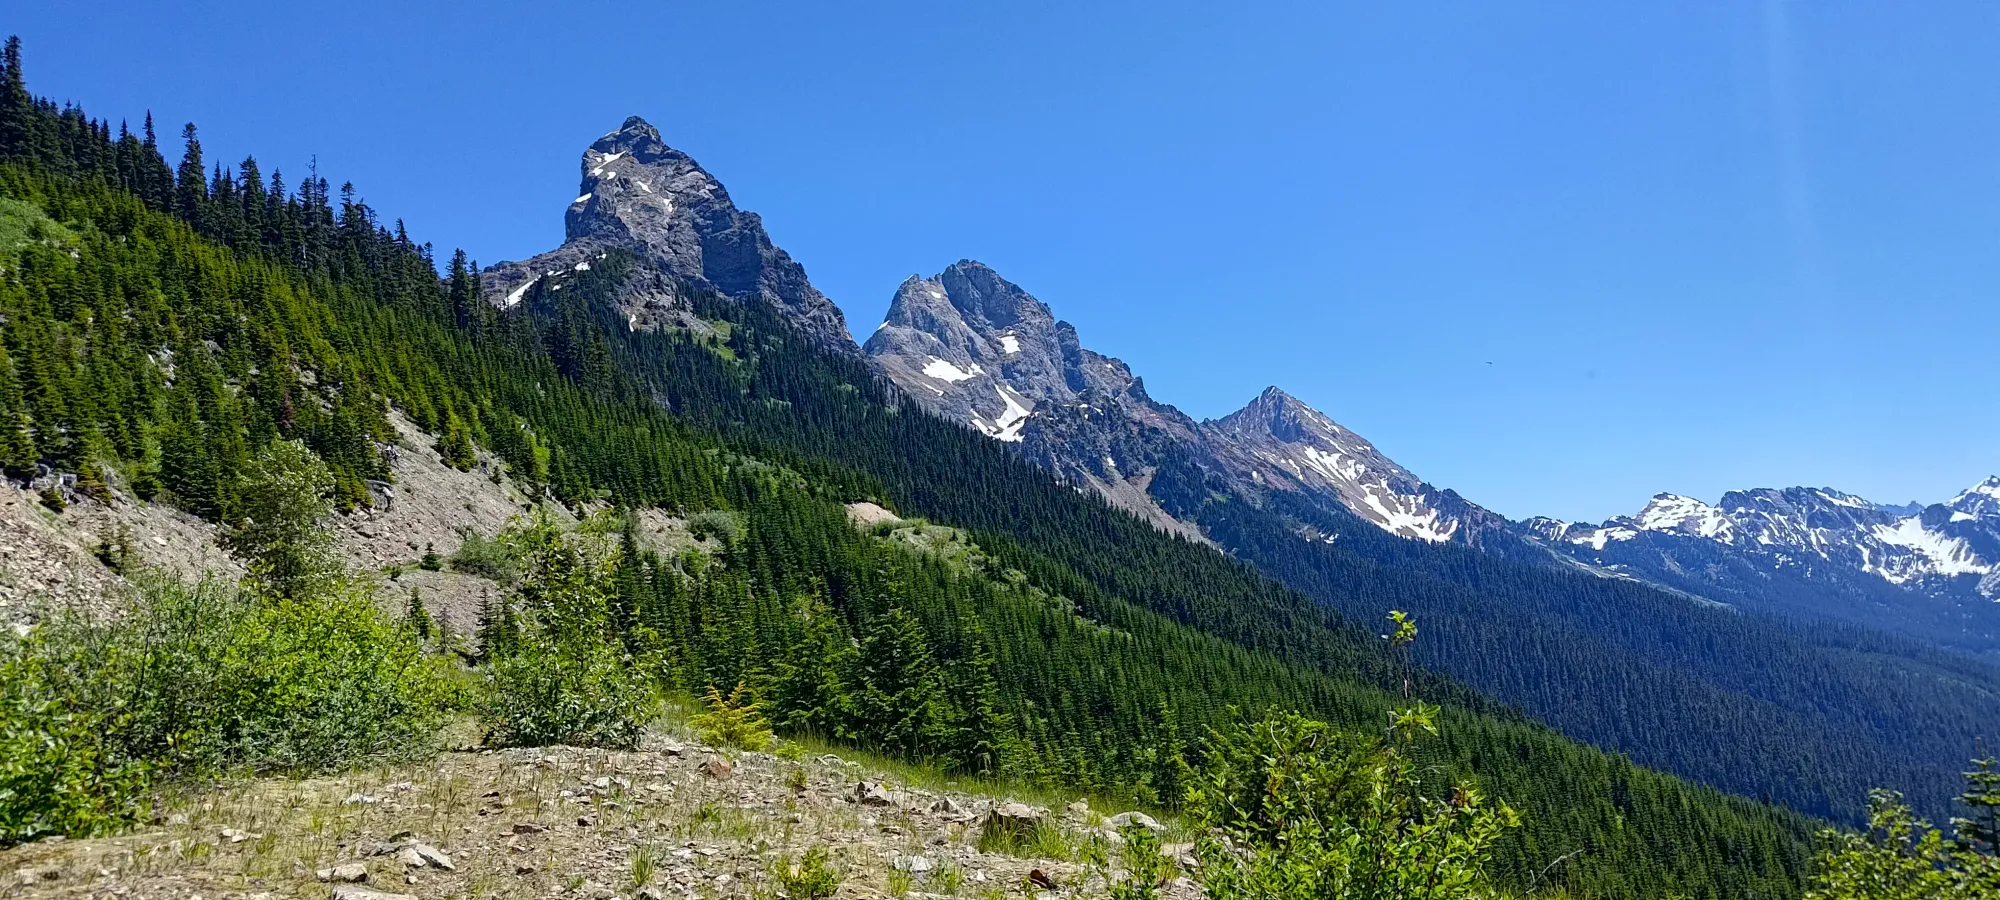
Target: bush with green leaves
[548, 692]
[484, 557]
[1146, 868]
[810, 877]
[55, 777]
[1901, 857]
[1294, 810]
[284, 496]
[563, 676]
[193, 680]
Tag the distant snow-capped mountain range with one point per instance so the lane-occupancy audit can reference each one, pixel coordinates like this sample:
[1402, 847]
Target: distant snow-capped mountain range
[1809, 528]
[976, 348]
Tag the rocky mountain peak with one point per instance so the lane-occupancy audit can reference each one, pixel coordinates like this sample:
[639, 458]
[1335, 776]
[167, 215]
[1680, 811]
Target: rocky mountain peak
[977, 349]
[1981, 501]
[1286, 418]
[1287, 444]
[639, 194]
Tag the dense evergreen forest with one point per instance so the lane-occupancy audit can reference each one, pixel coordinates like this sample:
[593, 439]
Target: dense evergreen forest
[1734, 699]
[163, 322]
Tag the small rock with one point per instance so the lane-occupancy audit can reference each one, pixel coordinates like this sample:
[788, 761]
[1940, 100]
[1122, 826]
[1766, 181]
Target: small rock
[350, 892]
[528, 828]
[1140, 819]
[361, 798]
[524, 868]
[1013, 822]
[602, 783]
[872, 793]
[237, 835]
[947, 806]
[433, 857]
[345, 873]
[410, 858]
[1080, 807]
[717, 768]
[915, 865]
[586, 821]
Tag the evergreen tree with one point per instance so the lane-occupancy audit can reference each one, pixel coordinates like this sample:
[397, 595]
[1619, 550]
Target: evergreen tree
[190, 182]
[418, 616]
[1980, 831]
[17, 106]
[902, 700]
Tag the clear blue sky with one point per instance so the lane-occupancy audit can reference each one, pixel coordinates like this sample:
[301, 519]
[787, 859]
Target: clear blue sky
[1702, 245]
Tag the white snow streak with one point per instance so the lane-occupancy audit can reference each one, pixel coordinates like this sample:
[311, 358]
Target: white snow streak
[944, 371]
[519, 292]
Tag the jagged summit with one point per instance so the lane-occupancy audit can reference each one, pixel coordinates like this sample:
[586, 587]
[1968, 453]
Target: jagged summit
[637, 193]
[977, 349]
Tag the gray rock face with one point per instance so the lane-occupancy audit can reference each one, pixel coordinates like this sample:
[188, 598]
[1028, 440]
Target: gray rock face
[975, 348]
[1279, 442]
[640, 195]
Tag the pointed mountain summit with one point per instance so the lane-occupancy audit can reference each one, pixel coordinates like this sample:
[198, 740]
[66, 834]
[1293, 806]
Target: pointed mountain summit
[1280, 442]
[640, 195]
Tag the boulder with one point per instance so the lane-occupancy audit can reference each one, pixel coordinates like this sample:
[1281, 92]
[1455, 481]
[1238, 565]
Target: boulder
[874, 793]
[1125, 819]
[345, 873]
[1013, 823]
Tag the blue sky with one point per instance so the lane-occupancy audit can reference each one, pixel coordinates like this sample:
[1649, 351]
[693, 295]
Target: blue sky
[1558, 256]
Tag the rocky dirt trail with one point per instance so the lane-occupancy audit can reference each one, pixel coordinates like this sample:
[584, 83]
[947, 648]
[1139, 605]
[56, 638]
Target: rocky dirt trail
[671, 821]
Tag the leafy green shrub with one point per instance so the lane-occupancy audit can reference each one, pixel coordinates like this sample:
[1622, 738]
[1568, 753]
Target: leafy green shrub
[55, 777]
[733, 721]
[195, 680]
[720, 524]
[1146, 868]
[563, 676]
[549, 692]
[809, 878]
[285, 494]
[484, 557]
[1296, 811]
[1902, 857]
